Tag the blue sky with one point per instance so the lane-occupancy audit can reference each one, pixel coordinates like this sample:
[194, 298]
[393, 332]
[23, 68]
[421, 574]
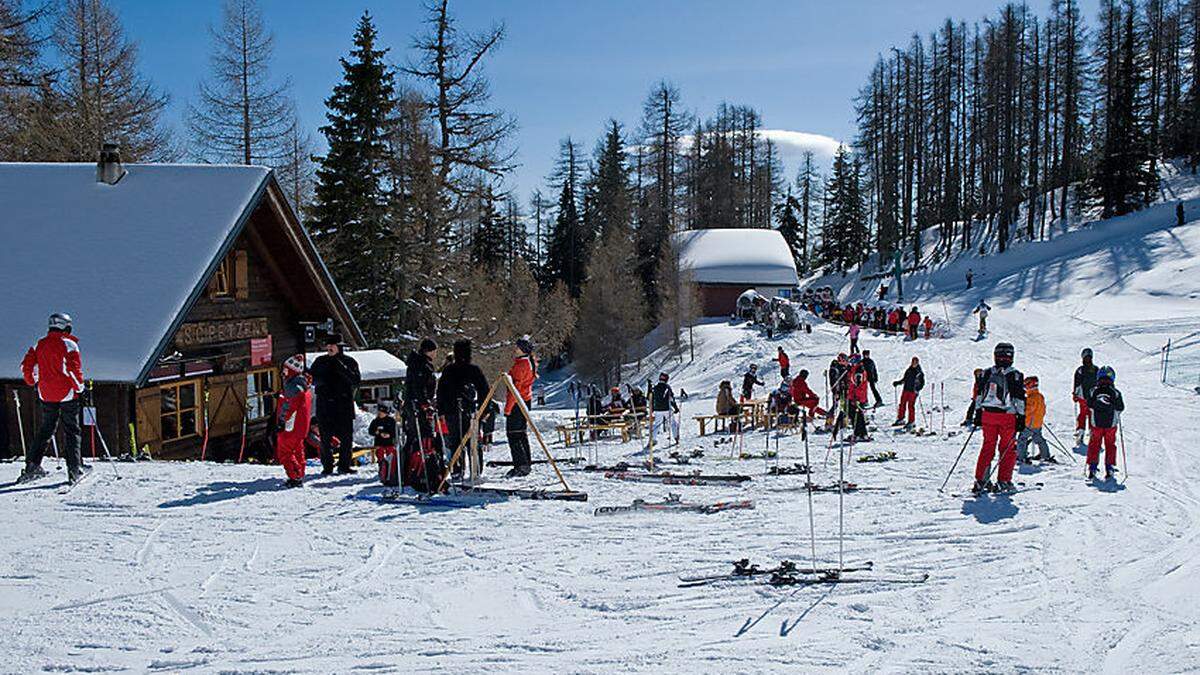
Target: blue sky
[566, 67]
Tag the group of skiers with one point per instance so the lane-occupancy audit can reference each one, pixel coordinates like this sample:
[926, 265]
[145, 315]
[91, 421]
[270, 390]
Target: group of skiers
[894, 319]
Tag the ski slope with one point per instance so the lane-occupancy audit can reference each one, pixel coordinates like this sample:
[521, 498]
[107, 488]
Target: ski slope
[190, 567]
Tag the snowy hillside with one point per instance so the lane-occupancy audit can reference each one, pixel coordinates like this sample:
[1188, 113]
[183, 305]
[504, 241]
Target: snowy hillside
[214, 568]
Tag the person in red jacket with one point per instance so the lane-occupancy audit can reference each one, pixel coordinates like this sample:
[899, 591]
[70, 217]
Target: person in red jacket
[292, 417]
[784, 363]
[804, 397]
[523, 372]
[928, 324]
[914, 319]
[54, 367]
[856, 398]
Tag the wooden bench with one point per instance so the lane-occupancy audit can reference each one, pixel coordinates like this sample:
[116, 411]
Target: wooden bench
[571, 432]
[720, 422]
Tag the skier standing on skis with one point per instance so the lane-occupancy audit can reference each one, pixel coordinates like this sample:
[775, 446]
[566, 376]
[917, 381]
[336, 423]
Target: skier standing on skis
[913, 381]
[853, 331]
[784, 362]
[1106, 405]
[749, 380]
[335, 379]
[872, 372]
[856, 398]
[54, 368]
[292, 419]
[460, 390]
[1035, 415]
[928, 324]
[1085, 380]
[422, 455]
[666, 410]
[1000, 410]
[982, 310]
[523, 372]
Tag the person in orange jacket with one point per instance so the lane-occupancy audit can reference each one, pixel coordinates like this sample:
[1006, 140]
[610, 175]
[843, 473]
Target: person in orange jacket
[523, 372]
[928, 323]
[1035, 416]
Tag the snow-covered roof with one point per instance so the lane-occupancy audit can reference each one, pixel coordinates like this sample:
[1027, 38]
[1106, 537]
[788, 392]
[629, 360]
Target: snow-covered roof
[123, 260]
[373, 364]
[737, 256]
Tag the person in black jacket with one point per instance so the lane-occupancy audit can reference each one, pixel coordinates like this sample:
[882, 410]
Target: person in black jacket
[1085, 379]
[335, 379]
[666, 410]
[748, 381]
[1106, 405]
[913, 381]
[383, 431]
[1000, 410]
[460, 391]
[868, 366]
[422, 453]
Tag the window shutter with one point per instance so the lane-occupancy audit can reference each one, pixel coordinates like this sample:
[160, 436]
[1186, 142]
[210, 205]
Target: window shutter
[149, 410]
[241, 275]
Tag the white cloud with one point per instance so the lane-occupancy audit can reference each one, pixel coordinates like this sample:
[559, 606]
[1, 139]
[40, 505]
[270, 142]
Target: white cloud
[793, 144]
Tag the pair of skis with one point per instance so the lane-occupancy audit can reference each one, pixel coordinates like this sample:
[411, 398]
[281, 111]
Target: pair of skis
[743, 569]
[674, 503]
[677, 479]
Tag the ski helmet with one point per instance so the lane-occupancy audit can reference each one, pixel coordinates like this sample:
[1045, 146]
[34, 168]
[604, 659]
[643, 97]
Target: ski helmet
[854, 359]
[1003, 354]
[1107, 373]
[294, 363]
[60, 321]
[663, 377]
[1086, 353]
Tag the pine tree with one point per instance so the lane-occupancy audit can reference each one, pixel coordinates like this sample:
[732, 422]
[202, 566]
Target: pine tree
[610, 313]
[489, 246]
[610, 205]
[242, 116]
[100, 97]
[664, 123]
[844, 233]
[791, 228]
[566, 255]
[350, 219]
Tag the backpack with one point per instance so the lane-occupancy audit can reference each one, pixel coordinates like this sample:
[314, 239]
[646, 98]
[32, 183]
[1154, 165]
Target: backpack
[994, 392]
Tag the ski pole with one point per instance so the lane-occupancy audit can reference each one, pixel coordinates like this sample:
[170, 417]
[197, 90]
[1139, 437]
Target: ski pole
[1124, 461]
[812, 527]
[1060, 445]
[57, 457]
[960, 454]
[20, 426]
[107, 456]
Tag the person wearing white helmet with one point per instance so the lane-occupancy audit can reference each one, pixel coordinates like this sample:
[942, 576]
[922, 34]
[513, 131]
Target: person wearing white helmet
[55, 368]
[292, 420]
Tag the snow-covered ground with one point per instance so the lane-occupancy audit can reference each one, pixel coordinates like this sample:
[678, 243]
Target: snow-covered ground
[189, 567]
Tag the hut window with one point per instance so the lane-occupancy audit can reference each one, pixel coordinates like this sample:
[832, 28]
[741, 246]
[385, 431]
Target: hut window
[179, 409]
[260, 393]
[222, 282]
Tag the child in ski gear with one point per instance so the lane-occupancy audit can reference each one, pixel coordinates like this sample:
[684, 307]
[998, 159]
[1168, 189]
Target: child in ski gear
[1105, 405]
[913, 381]
[804, 397]
[748, 381]
[523, 372]
[1035, 415]
[666, 410]
[383, 431]
[292, 419]
[982, 310]
[54, 368]
[335, 380]
[856, 398]
[872, 372]
[460, 390]
[914, 320]
[853, 333]
[1000, 410]
[784, 363]
[1085, 380]
[928, 324]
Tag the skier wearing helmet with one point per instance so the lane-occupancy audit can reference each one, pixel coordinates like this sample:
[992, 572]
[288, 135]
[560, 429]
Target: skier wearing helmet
[292, 420]
[54, 369]
[1000, 410]
[1106, 405]
[1035, 415]
[1085, 379]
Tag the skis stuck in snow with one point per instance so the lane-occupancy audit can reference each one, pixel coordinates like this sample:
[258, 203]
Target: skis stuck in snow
[743, 569]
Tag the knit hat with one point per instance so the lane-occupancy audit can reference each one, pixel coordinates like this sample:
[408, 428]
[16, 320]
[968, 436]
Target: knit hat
[427, 345]
[525, 345]
[294, 364]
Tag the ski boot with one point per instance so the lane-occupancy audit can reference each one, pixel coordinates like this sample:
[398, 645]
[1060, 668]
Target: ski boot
[1079, 437]
[1110, 472]
[293, 483]
[1047, 459]
[898, 423]
[980, 487]
[78, 474]
[1005, 487]
[31, 474]
[1091, 474]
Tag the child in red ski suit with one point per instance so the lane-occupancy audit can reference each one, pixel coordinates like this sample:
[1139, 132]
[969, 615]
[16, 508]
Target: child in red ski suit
[292, 417]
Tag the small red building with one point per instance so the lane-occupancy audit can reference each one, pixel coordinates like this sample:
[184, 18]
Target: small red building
[725, 263]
